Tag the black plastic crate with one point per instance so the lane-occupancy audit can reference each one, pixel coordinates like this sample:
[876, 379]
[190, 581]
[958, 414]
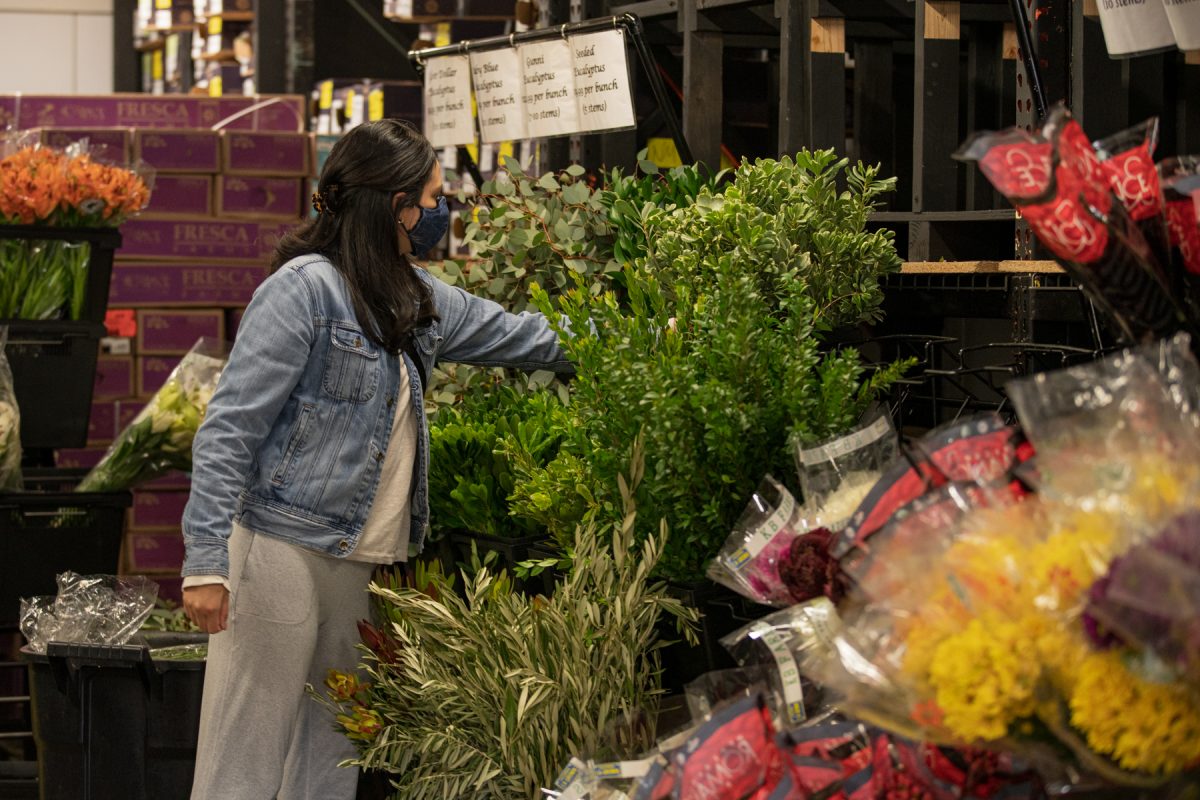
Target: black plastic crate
[509, 552]
[103, 243]
[54, 373]
[49, 529]
[722, 611]
[110, 722]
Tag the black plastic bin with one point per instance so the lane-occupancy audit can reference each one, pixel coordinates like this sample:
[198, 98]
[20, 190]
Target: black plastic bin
[103, 244]
[54, 361]
[111, 723]
[50, 529]
[723, 611]
[54, 373]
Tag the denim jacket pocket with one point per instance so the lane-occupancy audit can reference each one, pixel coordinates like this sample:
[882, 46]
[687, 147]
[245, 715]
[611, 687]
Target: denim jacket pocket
[352, 365]
[428, 338]
[283, 472]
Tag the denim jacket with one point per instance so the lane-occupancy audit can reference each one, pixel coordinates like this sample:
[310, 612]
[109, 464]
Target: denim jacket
[295, 434]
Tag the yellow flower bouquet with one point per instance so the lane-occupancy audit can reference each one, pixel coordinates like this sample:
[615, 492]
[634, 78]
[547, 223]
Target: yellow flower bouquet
[1061, 624]
[159, 439]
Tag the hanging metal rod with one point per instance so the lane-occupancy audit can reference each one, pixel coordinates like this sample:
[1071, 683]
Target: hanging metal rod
[536, 35]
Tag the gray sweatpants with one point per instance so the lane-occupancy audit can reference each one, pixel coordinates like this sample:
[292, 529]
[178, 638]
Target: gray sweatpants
[292, 617]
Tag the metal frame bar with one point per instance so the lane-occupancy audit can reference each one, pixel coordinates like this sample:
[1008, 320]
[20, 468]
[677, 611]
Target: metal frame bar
[633, 27]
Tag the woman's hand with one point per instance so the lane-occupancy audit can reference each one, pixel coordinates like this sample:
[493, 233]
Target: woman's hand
[207, 606]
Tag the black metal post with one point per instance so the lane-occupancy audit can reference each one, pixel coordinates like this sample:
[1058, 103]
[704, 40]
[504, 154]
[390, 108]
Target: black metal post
[1033, 72]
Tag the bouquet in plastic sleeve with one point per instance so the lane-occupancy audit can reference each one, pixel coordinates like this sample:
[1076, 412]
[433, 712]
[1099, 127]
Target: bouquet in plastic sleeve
[993, 627]
[750, 561]
[779, 641]
[10, 424]
[1056, 180]
[89, 609]
[981, 451]
[159, 439]
[836, 475]
[47, 278]
[1181, 195]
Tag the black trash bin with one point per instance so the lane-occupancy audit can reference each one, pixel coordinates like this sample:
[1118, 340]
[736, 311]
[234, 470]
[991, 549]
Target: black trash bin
[113, 723]
[49, 528]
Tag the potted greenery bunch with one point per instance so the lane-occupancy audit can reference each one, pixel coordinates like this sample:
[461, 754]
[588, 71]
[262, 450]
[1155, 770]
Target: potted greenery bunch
[715, 354]
[488, 694]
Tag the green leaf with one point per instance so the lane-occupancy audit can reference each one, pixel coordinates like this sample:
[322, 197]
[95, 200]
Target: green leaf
[549, 183]
[575, 170]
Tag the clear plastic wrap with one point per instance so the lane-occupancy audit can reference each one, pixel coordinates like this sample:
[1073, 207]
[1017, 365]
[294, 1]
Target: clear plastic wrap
[159, 439]
[981, 450]
[749, 561]
[835, 476]
[1017, 625]
[89, 609]
[10, 425]
[778, 641]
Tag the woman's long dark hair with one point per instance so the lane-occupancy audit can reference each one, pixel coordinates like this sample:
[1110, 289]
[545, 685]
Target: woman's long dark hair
[357, 228]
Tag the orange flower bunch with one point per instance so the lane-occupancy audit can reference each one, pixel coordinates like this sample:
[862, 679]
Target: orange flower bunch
[40, 185]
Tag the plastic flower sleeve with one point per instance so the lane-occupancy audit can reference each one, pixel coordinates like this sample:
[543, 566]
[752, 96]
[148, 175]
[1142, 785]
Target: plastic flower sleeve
[10, 425]
[1180, 179]
[1127, 160]
[90, 609]
[836, 475]
[749, 561]
[1056, 181]
[159, 439]
[778, 641]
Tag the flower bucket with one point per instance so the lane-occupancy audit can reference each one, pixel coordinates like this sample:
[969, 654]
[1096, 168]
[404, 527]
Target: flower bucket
[55, 273]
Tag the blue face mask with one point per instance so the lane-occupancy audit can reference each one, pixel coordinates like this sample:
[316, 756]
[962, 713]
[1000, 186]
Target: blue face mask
[430, 228]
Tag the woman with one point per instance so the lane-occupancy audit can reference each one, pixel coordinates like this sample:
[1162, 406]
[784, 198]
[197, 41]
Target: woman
[310, 467]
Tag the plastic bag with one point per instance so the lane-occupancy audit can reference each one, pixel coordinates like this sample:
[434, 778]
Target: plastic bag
[10, 425]
[749, 560]
[159, 439]
[1055, 179]
[980, 450]
[779, 642]
[837, 475]
[731, 755]
[90, 609]
[1127, 160]
[714, 688]
[1181, 187]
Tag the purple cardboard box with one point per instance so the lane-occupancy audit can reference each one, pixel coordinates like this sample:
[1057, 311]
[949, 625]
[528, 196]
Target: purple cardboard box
[114, 377]
[180, 196]
[179, 150]
[152, 373]
[127, 411]
[102, 422]
[271, 112]
[79, 457]
[8, 111]
[106, 145]
[199, 238]
[175, 332]
[170, 481]
[275, 154]
[259, 198]
[151, 552]
[181, 285]
[157, 510]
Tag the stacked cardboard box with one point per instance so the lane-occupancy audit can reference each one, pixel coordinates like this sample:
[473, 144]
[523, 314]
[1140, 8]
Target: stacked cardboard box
[189, 263]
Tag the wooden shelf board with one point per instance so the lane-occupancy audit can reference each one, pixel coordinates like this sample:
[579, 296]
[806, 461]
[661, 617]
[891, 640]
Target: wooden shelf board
[978, 267]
